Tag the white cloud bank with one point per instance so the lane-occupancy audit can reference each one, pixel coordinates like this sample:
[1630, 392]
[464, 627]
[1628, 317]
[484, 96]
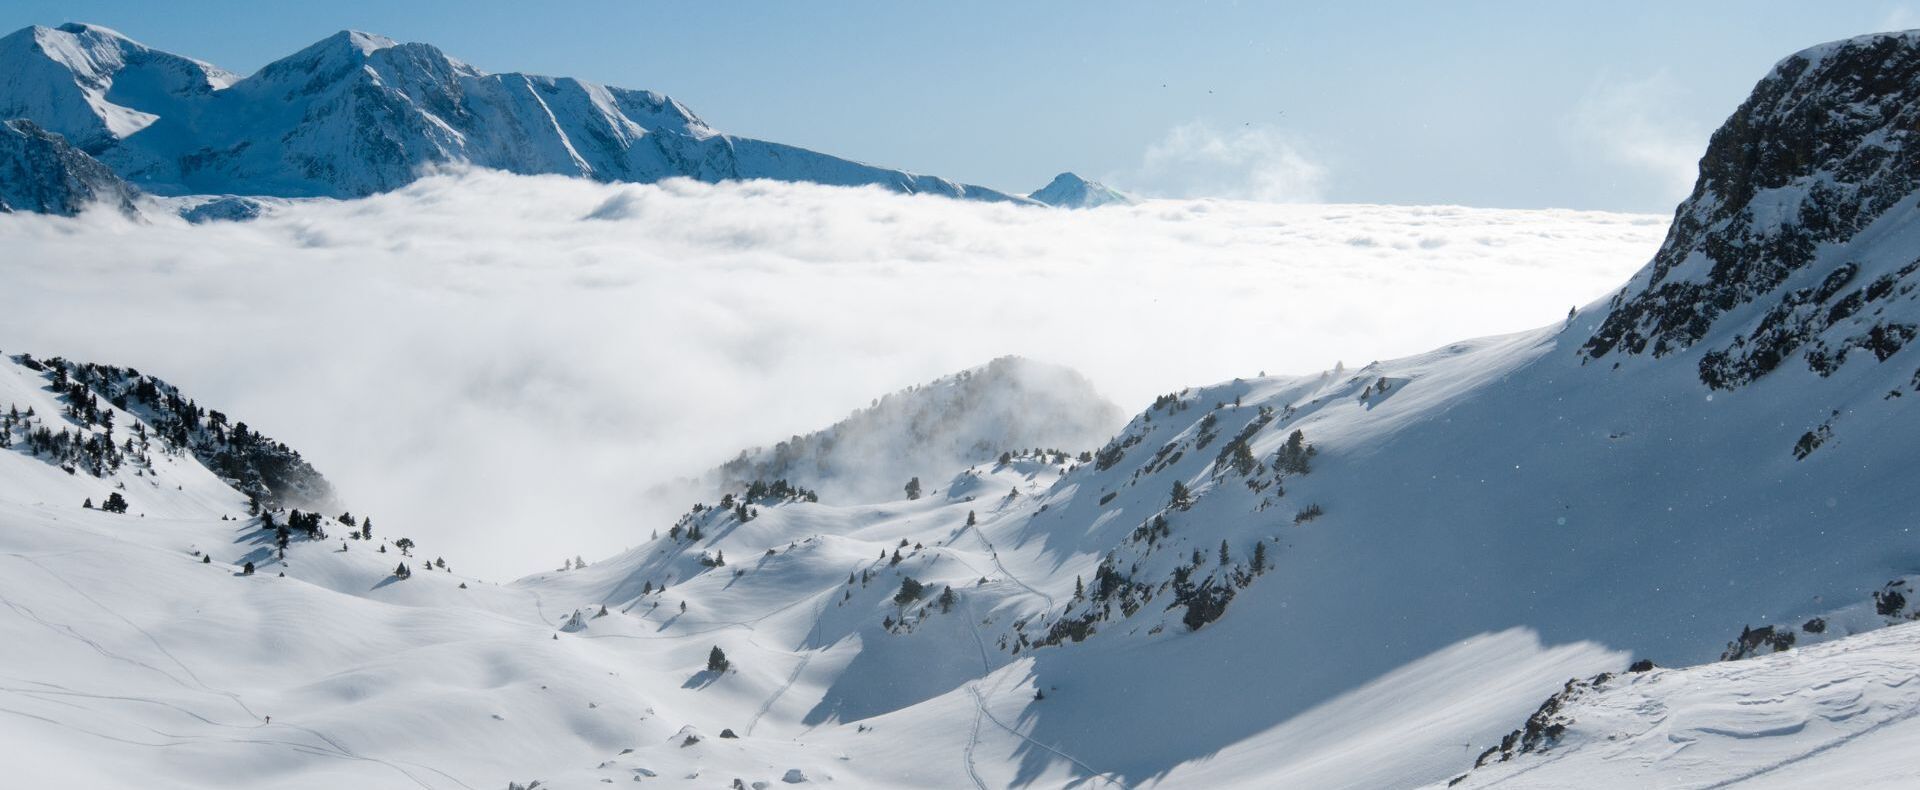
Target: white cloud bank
[482, 367]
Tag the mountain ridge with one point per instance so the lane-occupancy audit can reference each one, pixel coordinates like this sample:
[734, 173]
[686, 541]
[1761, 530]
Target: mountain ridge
[364, 114]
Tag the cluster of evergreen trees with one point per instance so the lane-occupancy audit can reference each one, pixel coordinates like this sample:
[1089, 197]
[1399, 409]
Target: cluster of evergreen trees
[265, 470]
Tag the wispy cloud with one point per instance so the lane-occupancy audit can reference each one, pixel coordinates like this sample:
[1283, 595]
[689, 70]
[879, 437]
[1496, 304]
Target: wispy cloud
[490, 372]
[1642, 123]
[1199, 159]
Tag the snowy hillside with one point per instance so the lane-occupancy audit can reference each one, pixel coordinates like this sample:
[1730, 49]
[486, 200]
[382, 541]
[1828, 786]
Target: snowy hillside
[934, 430]
[1835, 715]
[1068, 190]
[355, 114]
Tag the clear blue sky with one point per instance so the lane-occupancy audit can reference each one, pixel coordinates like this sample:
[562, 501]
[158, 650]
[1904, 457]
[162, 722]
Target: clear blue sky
[1516, 104]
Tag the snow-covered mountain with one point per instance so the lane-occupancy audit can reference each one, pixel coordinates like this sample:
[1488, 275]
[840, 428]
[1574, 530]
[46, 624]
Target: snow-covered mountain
[355, 114]
[41, 173]
[1356, 578]
[1068, 190]
[934, 430]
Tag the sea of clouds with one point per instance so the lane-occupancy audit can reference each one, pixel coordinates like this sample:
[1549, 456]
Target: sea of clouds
[501, 366]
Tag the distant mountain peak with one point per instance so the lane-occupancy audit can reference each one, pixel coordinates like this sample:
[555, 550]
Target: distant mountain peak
[1069, 190]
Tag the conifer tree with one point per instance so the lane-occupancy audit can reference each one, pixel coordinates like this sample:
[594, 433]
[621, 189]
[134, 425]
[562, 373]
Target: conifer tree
[717, 660]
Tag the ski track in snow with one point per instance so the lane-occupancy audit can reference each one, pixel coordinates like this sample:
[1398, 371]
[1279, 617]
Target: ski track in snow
[333, 747]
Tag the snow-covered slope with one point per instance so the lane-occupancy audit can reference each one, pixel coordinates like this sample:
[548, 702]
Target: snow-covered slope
[1835, 715]
[41, 173]
[356, 114]
[1068, 190]
[934, 430]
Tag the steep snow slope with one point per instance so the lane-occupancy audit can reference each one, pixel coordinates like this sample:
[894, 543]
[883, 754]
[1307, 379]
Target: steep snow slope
[1068, 190]
[356, 114]
[934, 430]
[41, 173]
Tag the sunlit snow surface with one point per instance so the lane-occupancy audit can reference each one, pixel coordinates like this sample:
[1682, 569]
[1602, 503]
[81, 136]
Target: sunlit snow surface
[536, 352]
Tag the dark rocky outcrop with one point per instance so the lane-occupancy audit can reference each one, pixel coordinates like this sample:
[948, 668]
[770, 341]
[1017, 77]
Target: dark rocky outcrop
[41, 173]
[1827, 144]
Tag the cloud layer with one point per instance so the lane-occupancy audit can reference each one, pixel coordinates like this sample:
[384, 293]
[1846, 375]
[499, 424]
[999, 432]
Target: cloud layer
[501, 366]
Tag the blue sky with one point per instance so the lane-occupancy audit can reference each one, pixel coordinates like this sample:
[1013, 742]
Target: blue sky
[1509, 104]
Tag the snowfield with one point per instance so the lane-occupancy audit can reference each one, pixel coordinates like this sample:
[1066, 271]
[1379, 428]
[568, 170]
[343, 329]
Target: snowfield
[1833, 715]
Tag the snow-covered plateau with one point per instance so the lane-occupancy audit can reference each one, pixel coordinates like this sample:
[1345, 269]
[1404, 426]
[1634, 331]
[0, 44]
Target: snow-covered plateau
[1666, 540]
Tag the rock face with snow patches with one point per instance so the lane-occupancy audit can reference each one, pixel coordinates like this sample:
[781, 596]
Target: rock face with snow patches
[41, 173]
[1068, 190]
[1826, 148]
[356, 114]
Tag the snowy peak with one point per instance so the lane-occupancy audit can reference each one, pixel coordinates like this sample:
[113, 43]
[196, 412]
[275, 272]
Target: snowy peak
[1826, 147]
[356, 114]
[95, 86]
[1069, 190]
[41, 173]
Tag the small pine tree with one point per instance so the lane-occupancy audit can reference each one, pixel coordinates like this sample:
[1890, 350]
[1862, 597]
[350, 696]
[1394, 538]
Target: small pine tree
[972, 519]
[206, 559]
[404, 545]
[913, 488]
[717, 660]
[1225, 558]
[1079, 589]
[947, 599]
[910, 591]
[87, 504]
[115, 503]
[1260, 557]
[1182, 498]
[247, 569]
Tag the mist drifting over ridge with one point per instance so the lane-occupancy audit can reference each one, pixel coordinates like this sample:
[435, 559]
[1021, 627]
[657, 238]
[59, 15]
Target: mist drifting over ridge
[519, 358]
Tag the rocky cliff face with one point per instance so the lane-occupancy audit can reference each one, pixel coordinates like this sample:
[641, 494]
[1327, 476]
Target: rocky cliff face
[1822, 152]
[40, 172]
